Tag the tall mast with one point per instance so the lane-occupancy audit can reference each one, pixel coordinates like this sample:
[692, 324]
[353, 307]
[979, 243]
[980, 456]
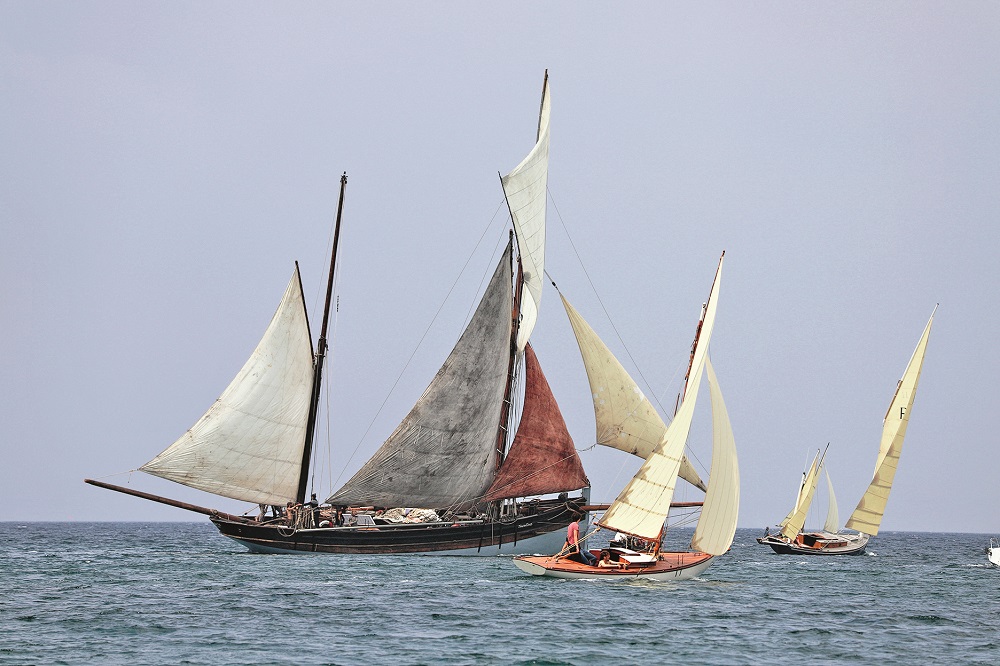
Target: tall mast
[320, 356]
[508, 395]
[697, 334]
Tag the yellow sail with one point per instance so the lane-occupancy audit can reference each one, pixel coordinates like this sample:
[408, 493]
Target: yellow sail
[868, 515]
[626, 419]
[796, 518]
[717, 523]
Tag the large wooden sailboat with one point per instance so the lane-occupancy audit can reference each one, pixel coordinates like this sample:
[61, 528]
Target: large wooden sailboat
[628, 421]
[867, 517]
[449, 479]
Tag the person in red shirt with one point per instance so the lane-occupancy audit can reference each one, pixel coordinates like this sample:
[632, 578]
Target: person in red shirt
[576, 552]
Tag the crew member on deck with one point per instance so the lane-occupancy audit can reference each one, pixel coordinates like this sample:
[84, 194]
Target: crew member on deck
[573, 544]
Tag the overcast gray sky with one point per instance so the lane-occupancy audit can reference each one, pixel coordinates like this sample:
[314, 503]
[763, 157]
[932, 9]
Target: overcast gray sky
[164, 164]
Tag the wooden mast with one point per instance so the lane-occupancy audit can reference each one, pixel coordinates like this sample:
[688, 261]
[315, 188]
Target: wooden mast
[320, 357]
[697, 334]
[504, 426]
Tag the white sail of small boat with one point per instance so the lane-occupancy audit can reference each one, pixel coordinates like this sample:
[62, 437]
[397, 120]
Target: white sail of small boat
[641, 508]
[716, 526]
[450, 453]
[796, 518]
[832, 522]
[867, 517]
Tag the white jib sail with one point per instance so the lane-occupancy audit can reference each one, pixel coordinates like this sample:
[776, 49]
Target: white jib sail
[643, 504]
[717, 523]
[793, 522]
[868, 515]
[832, 523]
[525, 189]
[626, 419]
[248, 446]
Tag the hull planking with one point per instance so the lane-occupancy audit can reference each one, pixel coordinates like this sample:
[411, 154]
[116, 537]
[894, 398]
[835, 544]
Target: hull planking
[541, 532]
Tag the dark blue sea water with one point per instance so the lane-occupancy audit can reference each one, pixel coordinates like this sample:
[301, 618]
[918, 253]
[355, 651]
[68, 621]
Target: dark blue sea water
[154, 593]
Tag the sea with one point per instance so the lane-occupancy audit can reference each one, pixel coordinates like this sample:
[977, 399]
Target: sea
[179, 593]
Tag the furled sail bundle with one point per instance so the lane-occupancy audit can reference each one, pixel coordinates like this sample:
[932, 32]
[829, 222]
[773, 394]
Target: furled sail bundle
[626, 419]
[542, 458]
[642, 506]
[248, 446]
[868, 515]
[525, 189]
[443, 453]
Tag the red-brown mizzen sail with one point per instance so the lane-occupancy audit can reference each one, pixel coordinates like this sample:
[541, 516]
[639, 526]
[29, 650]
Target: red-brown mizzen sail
[542, 458]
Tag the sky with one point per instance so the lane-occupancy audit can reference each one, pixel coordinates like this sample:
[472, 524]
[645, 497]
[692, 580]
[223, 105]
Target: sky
[166, 163]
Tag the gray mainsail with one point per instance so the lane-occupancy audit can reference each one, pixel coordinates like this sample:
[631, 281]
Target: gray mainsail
[443, 454]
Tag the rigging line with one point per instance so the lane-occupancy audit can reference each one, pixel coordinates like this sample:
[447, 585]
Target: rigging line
[329, 360]
[594, 287]
[416, 347]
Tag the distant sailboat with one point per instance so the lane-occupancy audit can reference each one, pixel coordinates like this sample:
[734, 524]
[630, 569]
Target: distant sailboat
[993, 552]
[626, 420]
[867, 517]
[451, 461]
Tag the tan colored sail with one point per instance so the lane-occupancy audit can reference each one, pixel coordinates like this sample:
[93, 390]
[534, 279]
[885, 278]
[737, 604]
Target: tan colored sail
[525, 189]
[793, 522]
[717, 523]
[643, 504]
[248, 445]
[626, 419]
[868, 515]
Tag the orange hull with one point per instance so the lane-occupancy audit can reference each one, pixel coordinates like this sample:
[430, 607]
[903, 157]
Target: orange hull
[668, 566]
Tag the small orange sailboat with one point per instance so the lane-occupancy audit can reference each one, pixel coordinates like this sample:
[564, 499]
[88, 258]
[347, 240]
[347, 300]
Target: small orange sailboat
[627, 418]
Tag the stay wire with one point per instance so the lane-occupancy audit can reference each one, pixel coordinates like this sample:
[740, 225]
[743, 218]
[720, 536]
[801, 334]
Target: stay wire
[417, 346]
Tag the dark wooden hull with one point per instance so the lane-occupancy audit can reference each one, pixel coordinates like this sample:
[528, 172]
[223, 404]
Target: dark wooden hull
[461, 538]
[848, 545]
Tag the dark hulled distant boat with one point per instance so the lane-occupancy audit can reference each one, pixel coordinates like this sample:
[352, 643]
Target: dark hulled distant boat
[867, 517]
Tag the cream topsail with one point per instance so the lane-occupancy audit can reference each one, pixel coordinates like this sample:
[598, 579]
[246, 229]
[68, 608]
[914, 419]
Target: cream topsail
[643, 504]
[868, 515]
[525, 189]
[717, 524]
[248, 446]
[626, 419]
